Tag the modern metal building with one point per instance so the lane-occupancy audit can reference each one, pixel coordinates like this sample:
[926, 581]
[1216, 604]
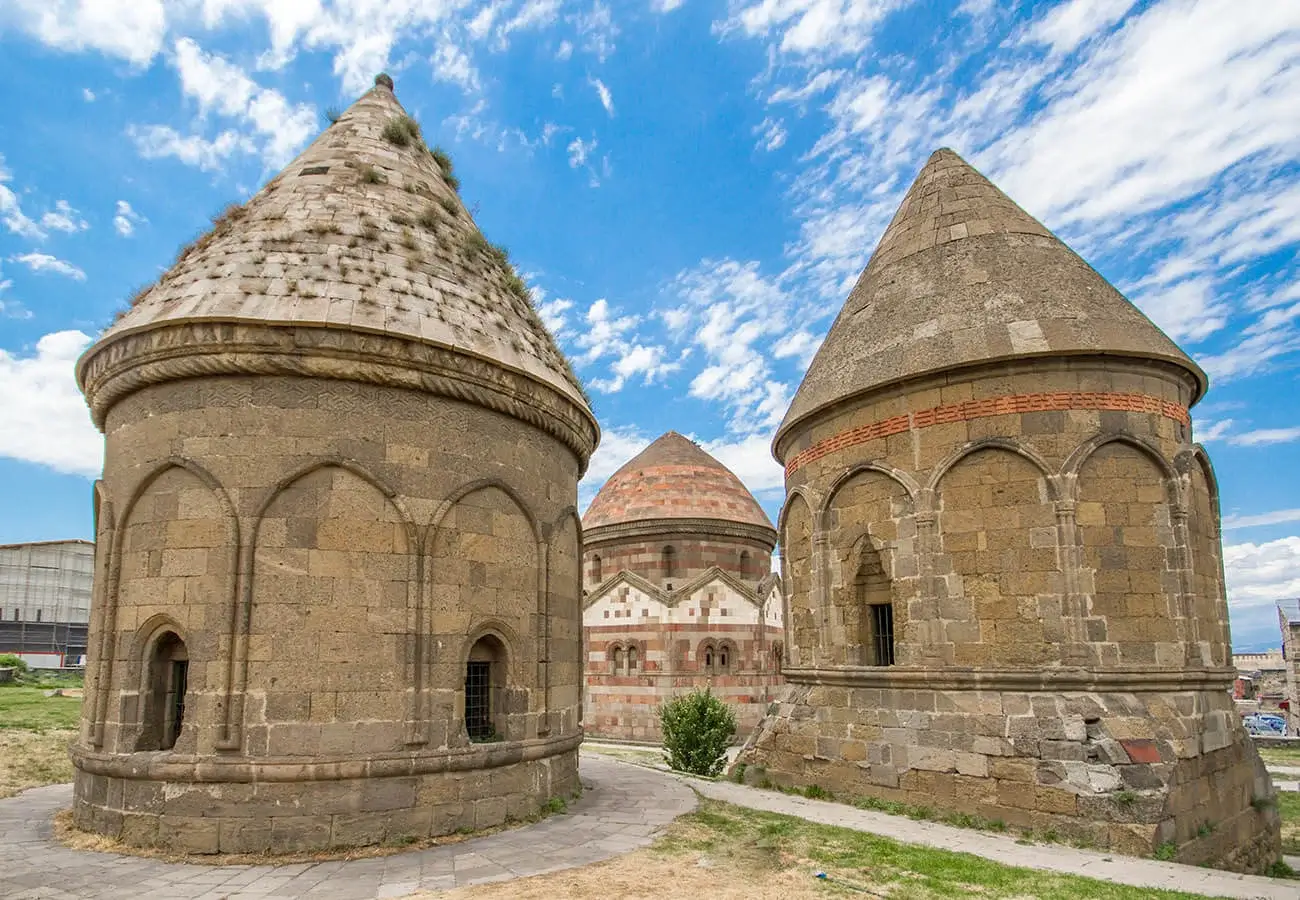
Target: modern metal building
[45, 601]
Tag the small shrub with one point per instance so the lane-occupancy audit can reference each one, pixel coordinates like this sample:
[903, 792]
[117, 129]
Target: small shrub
[697, 728]
[401, 131]
[816, 792]
[476, 244]
[452, 182]
[1166, 851]
[1125, 798]
[408, 239]
[371, 175]
[13, 661]
[400, 219]
[555, 806]
[1280, 869]
[1262, 803]
[429, 219]
[333, 113]
[449, 205]
[738, 773]
[369, 231]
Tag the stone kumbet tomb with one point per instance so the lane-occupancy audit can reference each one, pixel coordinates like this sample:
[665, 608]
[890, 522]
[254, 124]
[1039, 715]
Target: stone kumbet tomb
[338, 586]
[681, 595]
[1001, 550]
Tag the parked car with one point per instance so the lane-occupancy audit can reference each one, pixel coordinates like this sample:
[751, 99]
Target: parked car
[1264, 725]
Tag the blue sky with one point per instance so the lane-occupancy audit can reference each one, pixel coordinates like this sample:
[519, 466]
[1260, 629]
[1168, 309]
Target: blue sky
[690, 187]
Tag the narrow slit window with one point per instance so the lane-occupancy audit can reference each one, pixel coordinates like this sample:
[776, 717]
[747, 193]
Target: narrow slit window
[670, 562]
[176, 702]
[631, 660]
[595, 568]
[882, 626]
[708, 658]
[478, 699]
[723, 659]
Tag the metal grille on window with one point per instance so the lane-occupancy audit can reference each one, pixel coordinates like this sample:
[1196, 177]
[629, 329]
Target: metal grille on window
[882, 621]
[179, 684]
[478, 699]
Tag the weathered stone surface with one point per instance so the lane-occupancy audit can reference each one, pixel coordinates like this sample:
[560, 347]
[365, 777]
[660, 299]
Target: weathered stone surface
[341, 468]
[1001, 542]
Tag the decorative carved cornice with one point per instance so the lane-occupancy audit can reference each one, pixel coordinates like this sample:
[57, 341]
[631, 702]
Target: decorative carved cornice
[1138, 680]
[668, 528]
[133, 360]
[220, 768]
[673, 597]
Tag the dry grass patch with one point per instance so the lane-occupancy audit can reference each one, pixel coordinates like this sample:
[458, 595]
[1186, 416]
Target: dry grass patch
[31, 759]
[723, 851]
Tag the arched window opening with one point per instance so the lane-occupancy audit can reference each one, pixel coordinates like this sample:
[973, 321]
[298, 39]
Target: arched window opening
[744, 562]
[875, 609]
[708, 658]
[776, 658]
[631, 660]
[164, 702]
[484, 683]
[669, 562]
[595, 568]
[724, 659]
[617, 657]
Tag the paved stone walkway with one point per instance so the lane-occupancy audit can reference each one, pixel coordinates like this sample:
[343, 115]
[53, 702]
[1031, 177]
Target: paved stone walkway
[621, 809]
[1129, 870]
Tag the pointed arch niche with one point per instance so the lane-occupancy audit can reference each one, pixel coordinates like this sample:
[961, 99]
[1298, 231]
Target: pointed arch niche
[998, 531]
[867, 520]
[334, 579]
[1130, 549]
[796, 548]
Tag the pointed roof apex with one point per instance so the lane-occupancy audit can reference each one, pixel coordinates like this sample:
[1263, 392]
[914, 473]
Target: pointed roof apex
[964, 276]
[365, 232]
[674, 478]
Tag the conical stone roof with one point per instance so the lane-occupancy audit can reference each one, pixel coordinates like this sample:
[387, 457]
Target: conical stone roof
[674, 478]
[363, 233]
[964, 276]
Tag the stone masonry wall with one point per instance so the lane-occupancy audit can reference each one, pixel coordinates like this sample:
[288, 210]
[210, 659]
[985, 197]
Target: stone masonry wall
[1046, 535]
[692, 555]
[328, 554]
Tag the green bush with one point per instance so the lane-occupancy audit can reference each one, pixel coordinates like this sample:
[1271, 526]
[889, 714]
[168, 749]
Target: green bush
[696, 729]
[12, 661]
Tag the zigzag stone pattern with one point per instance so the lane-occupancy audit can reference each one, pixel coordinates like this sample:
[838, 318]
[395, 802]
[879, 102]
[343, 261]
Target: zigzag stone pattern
[680, 592]
[338, 578]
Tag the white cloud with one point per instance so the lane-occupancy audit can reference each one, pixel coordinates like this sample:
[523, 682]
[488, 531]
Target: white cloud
[1263, 436]
[222, 87]
[802, 345]
[617, 446]
[88, 95]
[533, 14]
[43, 262]
[158, 141]
[11, 212]
[771, 134]
[11, 309]
[43, 418]
[451, 64]
[750, 457]
[597, 30]
[606, 99]
[1211, 431]
[728, 309]
[1276, 517]
[128, 29]
[579, 150]
[126, 219]
[1261, 574]
[554, 314]
[1070, 24]
[606, 334]
[64, 218]
[1187, 310]
[564, 51]
[665, 6]
[810, 27]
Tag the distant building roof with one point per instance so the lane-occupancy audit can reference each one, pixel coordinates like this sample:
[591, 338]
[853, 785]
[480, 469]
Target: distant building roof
[24, 544]
[1290, 610]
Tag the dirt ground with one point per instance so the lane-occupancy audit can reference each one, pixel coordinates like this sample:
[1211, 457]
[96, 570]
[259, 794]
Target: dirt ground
[34, 758]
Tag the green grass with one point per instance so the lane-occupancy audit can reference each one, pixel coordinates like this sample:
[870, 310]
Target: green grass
[1281, 756]
[760, 845]
[1288, 806]
[26, 708]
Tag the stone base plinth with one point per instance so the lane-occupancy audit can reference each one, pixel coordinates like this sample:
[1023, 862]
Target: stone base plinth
[1126, 767]
[269, 810]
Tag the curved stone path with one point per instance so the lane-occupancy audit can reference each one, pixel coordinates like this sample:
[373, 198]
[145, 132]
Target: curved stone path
[622, 808]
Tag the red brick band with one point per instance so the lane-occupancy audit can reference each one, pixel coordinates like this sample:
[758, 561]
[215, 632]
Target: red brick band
[993, 406]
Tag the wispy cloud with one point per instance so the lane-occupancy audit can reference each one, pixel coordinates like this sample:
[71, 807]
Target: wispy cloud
[44, 262]
[606, 99]
[64, 218]
[126, 218]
